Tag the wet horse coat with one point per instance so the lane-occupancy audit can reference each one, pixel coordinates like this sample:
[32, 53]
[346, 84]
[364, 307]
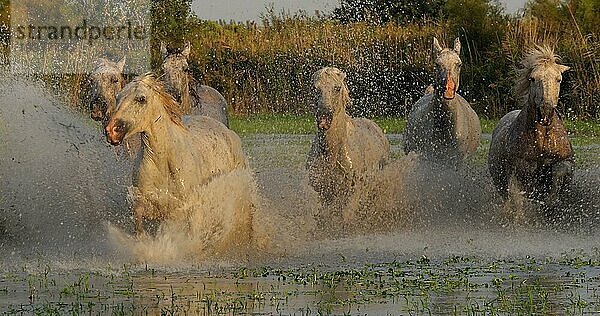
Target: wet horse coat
[530, 148]
[176, 157]
[345, 148]
[106, 81]
[442, 125]
[193, 97]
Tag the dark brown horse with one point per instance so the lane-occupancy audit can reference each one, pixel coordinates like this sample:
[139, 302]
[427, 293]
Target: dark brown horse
[530, 150]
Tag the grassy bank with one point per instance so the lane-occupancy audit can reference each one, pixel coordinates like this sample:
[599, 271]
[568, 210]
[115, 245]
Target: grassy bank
[304, 124]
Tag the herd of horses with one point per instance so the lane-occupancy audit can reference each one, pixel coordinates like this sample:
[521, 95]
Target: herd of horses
[186, 141]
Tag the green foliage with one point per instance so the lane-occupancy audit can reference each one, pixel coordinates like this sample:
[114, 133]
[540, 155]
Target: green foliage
[268, 68]
[4, 28]
[385, 11]
[170, 24]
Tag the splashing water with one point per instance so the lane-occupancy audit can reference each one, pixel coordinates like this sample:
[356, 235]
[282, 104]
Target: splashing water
[60, 184]
[223, 219]
[58, 180]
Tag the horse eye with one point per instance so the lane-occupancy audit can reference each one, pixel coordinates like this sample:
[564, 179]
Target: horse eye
[140, 99]
[115, 80]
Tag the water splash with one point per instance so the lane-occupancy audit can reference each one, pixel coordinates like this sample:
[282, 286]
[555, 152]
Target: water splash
[58, 180]
[60, 183]
[223, 219]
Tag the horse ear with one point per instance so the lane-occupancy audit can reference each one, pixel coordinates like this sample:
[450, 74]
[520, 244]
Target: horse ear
[436, 46]
[187, 49]
[563, 68]
[163, 50]
[342, 75]
[457, 45]
[121, 63]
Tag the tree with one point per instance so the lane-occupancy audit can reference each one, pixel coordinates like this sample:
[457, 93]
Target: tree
[480, 23]
[170, 20]
[4, 28]
[384, 11]
[170, 24]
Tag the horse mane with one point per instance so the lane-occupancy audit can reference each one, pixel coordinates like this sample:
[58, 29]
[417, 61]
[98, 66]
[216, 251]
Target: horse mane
[167, 100]
[534, 57]
[329, 77]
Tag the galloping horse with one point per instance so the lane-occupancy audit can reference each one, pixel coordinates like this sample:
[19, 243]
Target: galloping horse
[106, 81]
[193, 97]
[530, 149]
[442, 125]
[175, 158]
[345, 148]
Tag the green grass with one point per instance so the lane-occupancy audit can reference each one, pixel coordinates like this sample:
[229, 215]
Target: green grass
[273, 124]
[304, 124]
[583, 133]
[417, 286]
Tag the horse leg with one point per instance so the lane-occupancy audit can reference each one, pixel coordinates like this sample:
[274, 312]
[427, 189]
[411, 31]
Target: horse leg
[139, 210]
[514, 206]
[561, 175]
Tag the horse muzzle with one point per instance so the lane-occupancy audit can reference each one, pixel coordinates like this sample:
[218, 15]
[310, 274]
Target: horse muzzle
[324, 121]
[545, 115]
[96, 114]
[450, 90]
[97, 109]
[115, 131]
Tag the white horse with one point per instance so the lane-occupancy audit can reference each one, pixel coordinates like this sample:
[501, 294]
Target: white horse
[194, 98]
[176, 159]
[345, 149]
[530, 149]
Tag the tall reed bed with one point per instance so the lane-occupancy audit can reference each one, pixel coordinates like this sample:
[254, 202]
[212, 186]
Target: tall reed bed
[580, 91]
[269, 69]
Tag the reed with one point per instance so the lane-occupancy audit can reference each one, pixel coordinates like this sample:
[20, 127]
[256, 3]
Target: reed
[266, 68]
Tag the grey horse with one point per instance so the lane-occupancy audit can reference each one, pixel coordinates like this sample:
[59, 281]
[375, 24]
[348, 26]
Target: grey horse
[530, 150]
[442, 125]
[106, 81]
[193, 97]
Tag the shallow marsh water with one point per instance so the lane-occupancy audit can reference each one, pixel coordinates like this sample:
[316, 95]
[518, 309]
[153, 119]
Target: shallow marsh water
[61, 184]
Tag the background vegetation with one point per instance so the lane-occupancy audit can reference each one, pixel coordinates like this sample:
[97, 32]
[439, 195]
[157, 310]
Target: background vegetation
[385, 48]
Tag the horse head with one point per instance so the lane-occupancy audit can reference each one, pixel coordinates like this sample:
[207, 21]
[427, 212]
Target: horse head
[332, 95]
[106, 82]
[142, 103]
[544, 80]
[175, 68]
[447, 69]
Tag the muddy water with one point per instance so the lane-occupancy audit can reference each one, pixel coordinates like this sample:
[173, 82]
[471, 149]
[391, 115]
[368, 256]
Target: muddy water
[61, 187]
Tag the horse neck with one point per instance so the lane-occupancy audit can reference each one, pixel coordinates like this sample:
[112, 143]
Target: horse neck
[528, 113]
[161, 139]
[334, 138]
[186, 102]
